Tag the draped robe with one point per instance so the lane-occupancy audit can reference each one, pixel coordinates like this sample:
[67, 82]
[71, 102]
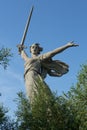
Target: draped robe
[37, 68]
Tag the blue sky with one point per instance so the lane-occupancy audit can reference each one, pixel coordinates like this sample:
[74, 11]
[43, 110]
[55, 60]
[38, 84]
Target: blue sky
[53, 24]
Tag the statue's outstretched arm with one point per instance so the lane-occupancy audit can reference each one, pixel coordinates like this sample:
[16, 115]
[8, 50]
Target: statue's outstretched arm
[59, 50]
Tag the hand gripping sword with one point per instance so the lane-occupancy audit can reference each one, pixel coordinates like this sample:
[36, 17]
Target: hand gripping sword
[21, 45]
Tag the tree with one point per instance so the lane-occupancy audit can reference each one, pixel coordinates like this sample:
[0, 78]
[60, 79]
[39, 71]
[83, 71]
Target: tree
[5, 53]
[52, 112]
[77, 97]
[23, 113]
[5, 122]
[47, 112]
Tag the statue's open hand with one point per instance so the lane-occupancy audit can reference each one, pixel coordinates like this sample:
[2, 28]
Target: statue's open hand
[72, 44]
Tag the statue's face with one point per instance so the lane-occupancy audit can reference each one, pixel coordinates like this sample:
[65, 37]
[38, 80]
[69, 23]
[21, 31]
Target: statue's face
[34, 49]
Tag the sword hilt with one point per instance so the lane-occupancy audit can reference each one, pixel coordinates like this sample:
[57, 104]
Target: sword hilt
[21, 47]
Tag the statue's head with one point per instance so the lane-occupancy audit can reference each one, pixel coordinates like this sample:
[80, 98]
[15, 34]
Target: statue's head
[35, 48]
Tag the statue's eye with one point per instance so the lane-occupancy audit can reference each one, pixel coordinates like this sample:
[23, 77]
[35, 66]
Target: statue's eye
[32, 46]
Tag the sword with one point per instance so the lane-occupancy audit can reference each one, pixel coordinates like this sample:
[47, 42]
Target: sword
[21, 45]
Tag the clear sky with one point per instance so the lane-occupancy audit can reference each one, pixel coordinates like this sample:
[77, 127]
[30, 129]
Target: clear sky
[53, 24]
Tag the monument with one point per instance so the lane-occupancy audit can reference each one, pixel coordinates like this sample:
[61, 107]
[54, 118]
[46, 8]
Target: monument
[39, 65]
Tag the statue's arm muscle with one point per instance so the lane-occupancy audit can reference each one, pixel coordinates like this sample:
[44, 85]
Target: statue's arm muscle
[24, 55]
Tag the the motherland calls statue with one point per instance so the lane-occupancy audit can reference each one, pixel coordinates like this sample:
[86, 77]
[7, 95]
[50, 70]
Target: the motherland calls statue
[38, 66]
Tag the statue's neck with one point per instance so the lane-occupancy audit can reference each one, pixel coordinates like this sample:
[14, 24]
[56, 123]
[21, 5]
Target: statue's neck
[34, 55]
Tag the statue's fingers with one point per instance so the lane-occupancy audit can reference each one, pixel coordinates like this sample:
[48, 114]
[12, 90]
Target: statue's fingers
[72, 41]
[76, 44]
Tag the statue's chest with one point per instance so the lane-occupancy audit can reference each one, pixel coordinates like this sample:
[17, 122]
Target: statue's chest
[33, 62]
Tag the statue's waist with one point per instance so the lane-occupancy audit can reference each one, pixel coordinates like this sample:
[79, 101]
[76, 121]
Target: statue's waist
[28, 70]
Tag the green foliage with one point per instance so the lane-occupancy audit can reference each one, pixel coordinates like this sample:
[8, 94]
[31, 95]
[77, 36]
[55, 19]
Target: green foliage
[2, 114]
[44, 112]
[24, 116]
[5, 53]
[77, 97]
[5, 122]
[48, 111]
[51, 112]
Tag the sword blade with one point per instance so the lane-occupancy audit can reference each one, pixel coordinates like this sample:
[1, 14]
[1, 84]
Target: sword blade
[27, 26]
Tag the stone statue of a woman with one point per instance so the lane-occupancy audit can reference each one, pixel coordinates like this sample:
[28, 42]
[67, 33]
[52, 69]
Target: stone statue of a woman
[38, 66]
